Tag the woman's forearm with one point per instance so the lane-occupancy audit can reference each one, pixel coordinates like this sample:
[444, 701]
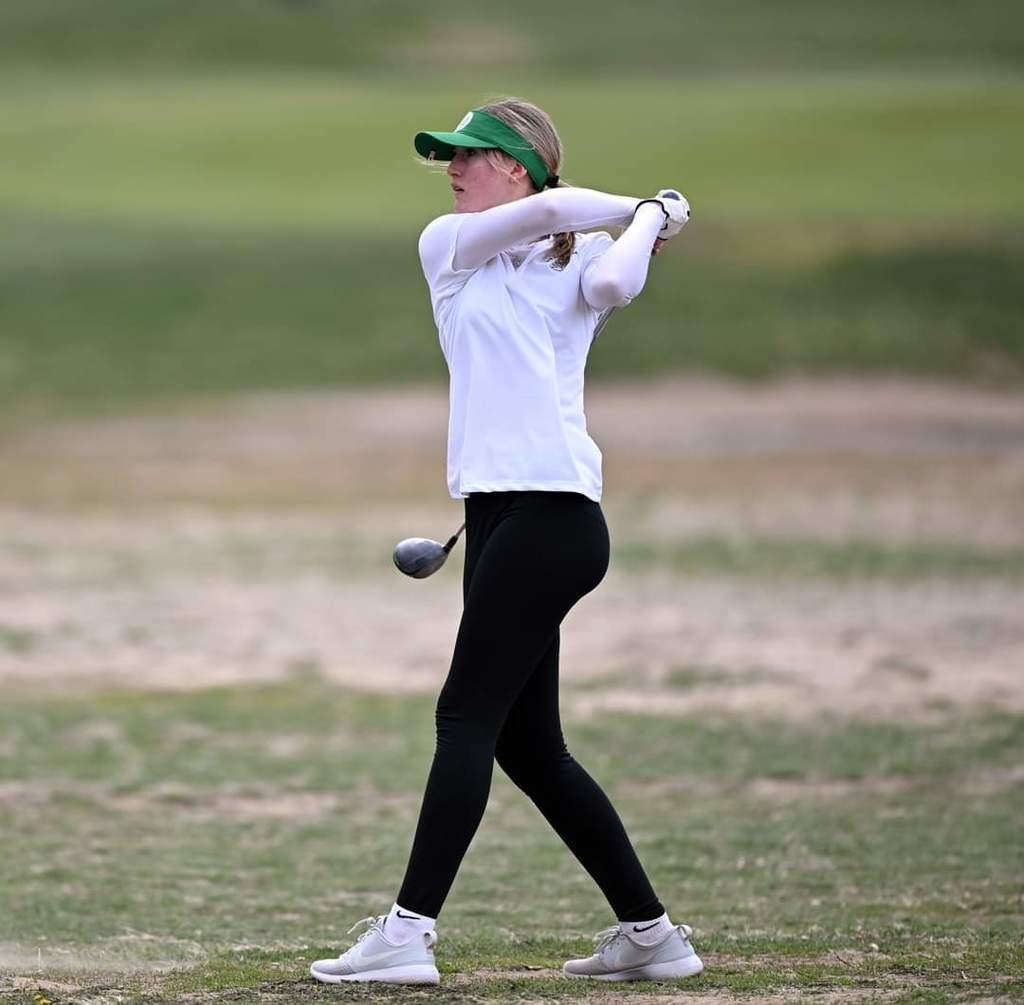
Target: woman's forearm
[620, 273]
[554, 211]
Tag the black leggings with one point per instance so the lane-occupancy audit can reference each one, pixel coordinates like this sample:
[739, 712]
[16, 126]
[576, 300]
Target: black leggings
[529, 557]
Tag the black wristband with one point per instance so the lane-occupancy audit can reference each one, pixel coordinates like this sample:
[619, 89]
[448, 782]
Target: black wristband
[660, 206]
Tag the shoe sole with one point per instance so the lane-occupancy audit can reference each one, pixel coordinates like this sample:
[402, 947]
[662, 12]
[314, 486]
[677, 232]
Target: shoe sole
[411, 974]
[688, 966]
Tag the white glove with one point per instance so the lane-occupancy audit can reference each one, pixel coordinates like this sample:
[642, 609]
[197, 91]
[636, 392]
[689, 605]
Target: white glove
[677, 209]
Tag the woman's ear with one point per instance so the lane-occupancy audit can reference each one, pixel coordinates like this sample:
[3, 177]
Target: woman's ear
[516, 171]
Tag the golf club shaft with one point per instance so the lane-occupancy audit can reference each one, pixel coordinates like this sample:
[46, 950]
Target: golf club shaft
[602, 321]
[451, 541]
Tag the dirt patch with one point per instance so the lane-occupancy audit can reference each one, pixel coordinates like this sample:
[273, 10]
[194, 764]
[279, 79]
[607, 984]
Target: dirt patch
[250, 539]
[326, 447]
[128, 953]
[821, 647]
[871, 648]
[974, 783]
[760, 998]
[219, 804]
[30, 984]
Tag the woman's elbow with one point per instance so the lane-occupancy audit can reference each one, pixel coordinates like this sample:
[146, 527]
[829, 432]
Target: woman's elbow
[605, 293]
[550, 215]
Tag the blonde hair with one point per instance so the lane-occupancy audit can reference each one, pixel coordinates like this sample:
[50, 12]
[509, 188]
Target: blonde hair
[536, 127]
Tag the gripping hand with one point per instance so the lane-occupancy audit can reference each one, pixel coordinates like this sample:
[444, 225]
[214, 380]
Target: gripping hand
[677, 211]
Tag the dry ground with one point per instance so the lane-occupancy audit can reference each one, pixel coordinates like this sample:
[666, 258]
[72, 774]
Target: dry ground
[250, 538]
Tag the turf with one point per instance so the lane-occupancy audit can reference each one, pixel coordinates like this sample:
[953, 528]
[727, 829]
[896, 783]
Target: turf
[179, 236]
[800, 558]
[303, 151]
[405, 38]
[232, 834]
[159, 315]
[199, 200]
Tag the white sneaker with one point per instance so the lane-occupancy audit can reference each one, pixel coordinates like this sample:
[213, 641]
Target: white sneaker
[618, 958]
[374, 958]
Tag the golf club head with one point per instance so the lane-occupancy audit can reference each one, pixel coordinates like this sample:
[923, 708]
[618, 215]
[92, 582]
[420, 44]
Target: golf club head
[419, 557]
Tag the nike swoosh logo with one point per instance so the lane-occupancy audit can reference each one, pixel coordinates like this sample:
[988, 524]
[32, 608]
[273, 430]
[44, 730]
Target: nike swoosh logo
[647, 928]
[414, 917]
[369, 962]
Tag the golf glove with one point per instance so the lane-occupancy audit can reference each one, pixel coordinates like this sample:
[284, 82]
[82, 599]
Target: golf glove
[677, 209]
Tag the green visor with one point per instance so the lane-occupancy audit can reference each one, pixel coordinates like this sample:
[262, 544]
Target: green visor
[479, 129]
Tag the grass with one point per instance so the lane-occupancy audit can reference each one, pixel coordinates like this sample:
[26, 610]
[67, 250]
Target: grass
[16, 640]
[171, 237]
[157, 315]
[840, 560]
[198, 201]
[573, 38]
[301, 153]
[231, 834]
[342, 556]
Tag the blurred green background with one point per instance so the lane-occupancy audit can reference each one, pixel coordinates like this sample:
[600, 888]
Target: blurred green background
[202, 198]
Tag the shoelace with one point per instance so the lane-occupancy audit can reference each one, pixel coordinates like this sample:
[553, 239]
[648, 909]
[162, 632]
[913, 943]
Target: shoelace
[371, 922]
[609, 936]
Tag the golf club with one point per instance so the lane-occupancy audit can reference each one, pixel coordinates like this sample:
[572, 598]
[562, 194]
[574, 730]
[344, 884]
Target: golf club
[420, 557]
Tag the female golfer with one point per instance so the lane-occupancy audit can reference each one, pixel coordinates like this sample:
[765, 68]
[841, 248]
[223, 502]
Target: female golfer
[517, 294]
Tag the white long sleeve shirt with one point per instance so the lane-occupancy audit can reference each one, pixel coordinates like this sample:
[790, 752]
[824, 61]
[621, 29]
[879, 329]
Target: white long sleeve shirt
[515, 332]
